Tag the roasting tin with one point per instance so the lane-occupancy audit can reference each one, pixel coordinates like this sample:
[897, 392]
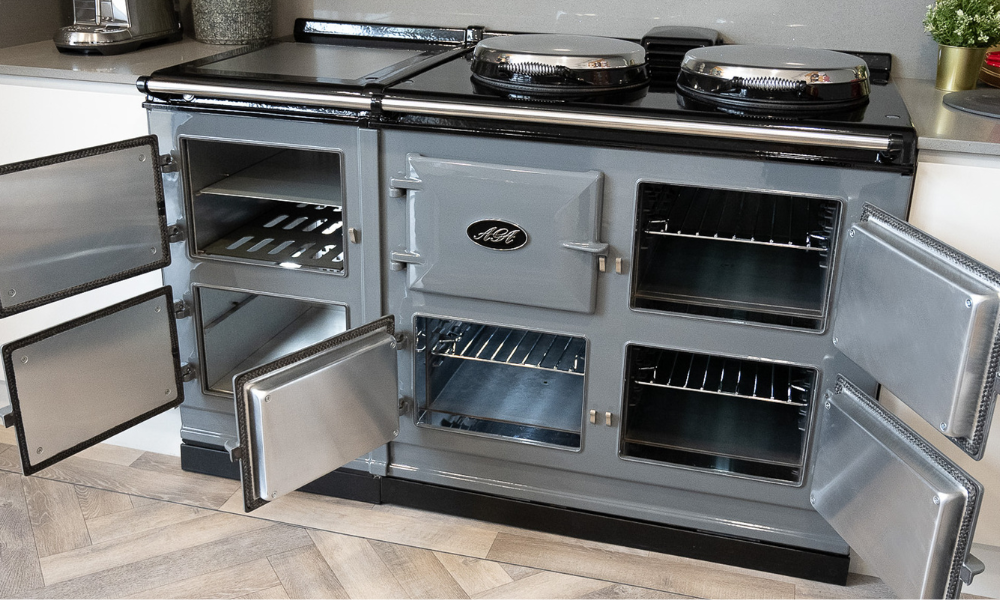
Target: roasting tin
[559, 65]
[774, 79]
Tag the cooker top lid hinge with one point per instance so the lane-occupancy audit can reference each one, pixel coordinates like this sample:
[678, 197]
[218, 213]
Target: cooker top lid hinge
[7, 416]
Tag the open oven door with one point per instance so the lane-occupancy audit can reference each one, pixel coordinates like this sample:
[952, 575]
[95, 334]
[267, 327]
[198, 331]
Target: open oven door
[71, 223]
[315, 410]
[924, 320]
[904, 507]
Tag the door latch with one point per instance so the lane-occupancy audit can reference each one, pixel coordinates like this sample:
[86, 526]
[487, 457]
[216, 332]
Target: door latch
[398, 260]
[399, 185]
[972, 567]
[168, 164]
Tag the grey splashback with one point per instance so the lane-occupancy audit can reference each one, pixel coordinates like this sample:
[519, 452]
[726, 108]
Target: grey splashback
[893, 26]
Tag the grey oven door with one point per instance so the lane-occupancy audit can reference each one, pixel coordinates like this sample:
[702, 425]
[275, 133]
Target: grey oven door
[905, 508]
[521, 235]
[924, 320]
[315, 410]
[75, 222]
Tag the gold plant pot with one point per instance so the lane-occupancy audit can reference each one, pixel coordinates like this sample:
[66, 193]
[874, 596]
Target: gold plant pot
[958, 68]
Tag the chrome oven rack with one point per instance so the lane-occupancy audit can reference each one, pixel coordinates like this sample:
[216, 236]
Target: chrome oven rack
[768, 219]
[724, 376]
[512, 347]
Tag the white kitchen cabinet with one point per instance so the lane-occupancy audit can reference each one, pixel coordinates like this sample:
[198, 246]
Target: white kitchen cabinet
[40, 117]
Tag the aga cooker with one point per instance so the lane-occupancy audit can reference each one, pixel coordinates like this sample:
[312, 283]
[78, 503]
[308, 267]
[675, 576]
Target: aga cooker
[487, 276]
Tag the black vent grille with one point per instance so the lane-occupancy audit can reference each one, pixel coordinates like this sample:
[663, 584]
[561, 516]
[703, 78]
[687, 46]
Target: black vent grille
[666, 47]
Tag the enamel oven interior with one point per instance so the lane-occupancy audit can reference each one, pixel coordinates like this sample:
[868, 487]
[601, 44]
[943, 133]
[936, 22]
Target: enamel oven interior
[501, 382]
[267, 205]
[241, 330]
[734, 254]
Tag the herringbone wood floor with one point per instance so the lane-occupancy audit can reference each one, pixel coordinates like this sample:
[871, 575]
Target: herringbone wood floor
[114, 522]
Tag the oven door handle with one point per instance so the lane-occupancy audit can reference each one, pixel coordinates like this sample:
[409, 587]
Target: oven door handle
[588, 247]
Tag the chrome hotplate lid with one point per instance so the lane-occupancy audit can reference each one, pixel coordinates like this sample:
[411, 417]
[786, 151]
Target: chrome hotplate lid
[555, 65]
[576, 52]
[773, 80]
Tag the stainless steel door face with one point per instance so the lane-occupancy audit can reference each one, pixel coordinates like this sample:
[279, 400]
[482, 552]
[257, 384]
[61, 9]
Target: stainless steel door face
[906, 509]
[316, 410]
[924, 320]
[81, 382]
[77, 221]
[505, 233]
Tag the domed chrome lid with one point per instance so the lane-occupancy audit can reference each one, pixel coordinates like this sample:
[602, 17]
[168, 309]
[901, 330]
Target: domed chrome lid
[575, 52]
[778, 63]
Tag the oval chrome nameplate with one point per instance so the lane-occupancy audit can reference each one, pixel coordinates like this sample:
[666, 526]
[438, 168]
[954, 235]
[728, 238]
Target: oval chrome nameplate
[497, 235]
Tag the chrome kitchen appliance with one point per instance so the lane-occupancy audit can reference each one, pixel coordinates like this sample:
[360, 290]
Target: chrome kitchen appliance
[118, 26]
[511, 263]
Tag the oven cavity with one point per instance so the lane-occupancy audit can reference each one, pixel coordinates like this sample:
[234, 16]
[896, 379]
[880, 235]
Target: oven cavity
[242, 330]
[515, 384]
[266, 205]
[732, 415]
[736, 255]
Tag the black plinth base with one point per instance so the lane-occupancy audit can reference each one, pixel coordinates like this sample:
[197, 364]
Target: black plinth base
[354, 485]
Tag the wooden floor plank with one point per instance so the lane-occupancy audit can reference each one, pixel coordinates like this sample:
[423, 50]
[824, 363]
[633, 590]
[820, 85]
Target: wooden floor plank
[547, 585]
[141, 546]
[357, 566]
[160, 463]
[56, 518]
[418, 571]
[132, 578]
[10, 460]
[116, 455]
[19, 568]
[275, 593]
[474, 575]
[185, 488]
[517, 571]
[98, 503]
[858, 586]
[304, 574]
[358, 519]
[657, 571]
[137, 520]
[622, 591]
[231, 582]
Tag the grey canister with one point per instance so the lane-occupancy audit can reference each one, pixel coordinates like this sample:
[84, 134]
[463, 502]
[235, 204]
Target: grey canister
[231, 21]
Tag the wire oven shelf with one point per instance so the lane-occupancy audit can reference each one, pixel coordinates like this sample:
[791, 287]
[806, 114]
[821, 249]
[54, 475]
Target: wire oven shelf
[751, 218]
[724, 376]
[301, 235]
[512, 347]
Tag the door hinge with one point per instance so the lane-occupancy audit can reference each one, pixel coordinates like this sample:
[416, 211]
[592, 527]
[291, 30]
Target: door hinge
[404, 406]
[399, 185]
[181, 310]
[399, 342]
[234, 449]
[188, 372]
[168, 164]
[175, 233]
[7, 416]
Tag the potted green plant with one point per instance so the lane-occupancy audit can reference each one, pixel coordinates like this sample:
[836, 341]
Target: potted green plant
[963, 29]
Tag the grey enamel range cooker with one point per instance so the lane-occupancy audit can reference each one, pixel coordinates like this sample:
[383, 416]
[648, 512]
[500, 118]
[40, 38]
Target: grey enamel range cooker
[611, 309]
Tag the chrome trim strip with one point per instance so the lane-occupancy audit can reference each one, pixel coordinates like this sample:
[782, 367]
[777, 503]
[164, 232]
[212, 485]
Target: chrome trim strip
[644, 124]
[332, 100]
